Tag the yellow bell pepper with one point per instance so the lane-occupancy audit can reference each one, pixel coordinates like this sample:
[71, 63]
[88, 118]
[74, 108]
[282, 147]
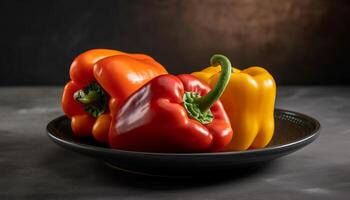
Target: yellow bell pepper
[249, 102]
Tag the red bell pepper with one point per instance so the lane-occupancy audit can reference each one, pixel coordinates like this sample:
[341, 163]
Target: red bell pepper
[174, 114]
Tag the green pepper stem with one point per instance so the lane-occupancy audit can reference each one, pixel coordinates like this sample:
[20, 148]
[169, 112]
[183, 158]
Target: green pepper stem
[205, 102]
[93, 98]
[88, 98]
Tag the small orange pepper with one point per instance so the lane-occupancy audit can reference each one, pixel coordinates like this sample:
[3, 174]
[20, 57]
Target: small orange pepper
[100, 80]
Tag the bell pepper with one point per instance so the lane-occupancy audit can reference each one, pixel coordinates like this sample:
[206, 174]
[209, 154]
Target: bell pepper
[100, 80]
[174, 114]
[249, 102]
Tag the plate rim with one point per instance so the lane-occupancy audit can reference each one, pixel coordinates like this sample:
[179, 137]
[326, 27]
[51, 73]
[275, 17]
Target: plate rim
[304, 141]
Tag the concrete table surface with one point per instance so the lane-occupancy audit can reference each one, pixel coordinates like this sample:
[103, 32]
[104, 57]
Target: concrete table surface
[33, 167]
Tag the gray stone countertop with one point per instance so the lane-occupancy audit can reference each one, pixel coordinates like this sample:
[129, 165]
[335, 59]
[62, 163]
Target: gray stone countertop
[33, 167]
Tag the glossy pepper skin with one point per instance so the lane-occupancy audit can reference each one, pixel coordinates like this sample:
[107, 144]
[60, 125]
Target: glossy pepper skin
[249, 102]
[105, 78]
[155, 118]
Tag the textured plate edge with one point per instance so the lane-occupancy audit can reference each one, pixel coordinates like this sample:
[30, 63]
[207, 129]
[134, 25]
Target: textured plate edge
[293, 145]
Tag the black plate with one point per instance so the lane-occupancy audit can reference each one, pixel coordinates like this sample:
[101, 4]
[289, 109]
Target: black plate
[293, 131]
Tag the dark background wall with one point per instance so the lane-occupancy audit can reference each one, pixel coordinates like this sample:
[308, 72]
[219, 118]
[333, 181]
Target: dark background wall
[299, 41]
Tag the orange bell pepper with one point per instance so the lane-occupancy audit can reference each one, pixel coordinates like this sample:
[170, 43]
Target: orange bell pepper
[100, 80]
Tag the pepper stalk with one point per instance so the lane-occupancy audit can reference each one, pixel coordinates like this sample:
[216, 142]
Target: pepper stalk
[198, 107]
[93, 98]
